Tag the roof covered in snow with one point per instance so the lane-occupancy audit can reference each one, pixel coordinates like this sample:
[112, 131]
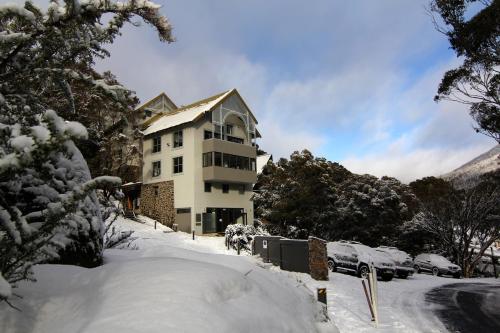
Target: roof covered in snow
[187, 113]
[262, 161]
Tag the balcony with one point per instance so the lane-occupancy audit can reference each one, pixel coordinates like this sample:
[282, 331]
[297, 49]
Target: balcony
[229, 175]
[228, 147]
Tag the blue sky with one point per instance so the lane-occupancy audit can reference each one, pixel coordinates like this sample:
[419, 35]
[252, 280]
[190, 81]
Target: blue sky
[352, 81]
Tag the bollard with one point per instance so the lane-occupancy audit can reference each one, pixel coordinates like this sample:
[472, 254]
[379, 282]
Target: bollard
[155, 225]
[193, 234]
[228, 243]
[322, 295]
[238, 247]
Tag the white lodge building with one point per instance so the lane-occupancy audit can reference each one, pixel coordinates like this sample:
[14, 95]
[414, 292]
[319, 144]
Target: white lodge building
[199, 162]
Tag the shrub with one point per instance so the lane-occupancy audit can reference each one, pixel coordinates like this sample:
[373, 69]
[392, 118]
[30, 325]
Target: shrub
[242, 235]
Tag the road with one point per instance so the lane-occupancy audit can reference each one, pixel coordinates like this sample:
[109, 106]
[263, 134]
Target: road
[467, 307]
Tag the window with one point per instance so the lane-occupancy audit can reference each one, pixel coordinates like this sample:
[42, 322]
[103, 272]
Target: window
[208, 135]
[229, 129]
[235, 139]
[177, 164]
[207, 159]
[208, 187]
[253, 165]
[178, 139]
[217, 131]
[217, 159]
[225, 188]
[156, 190]
[241, 189]
[183, 210]
[156, 168]
[156, 144]
[147, 113]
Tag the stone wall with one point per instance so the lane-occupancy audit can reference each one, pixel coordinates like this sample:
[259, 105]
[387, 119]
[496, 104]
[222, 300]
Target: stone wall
[318, 259]
[157, 202]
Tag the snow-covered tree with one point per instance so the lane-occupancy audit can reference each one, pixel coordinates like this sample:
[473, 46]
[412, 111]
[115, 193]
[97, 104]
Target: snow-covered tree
[47, 198]
[307, 195]
[48, 206]
[465, 222]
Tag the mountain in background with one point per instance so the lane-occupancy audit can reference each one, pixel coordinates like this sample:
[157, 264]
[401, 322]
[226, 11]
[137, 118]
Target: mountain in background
[482, 164]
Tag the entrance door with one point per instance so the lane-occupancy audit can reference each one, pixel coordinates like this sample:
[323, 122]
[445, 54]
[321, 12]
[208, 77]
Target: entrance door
[226, 216]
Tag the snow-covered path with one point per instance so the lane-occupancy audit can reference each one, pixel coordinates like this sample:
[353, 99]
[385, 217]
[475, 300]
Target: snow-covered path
[170, 284]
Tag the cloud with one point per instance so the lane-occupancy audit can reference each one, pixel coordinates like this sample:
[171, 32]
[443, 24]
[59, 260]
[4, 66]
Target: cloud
[351, 80]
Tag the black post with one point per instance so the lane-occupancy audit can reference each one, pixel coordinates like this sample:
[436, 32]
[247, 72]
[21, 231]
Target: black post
[493, 262]
[238, 247]
[228, 243]
[155, 224]
[193, 234]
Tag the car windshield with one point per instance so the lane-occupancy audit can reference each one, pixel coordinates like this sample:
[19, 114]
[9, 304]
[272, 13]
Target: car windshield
[440, 259]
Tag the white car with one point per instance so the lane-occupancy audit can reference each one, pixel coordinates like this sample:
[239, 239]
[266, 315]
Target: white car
[436, 264]
[356, 258]
[403, 261]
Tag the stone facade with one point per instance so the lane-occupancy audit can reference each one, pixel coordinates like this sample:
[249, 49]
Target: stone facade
[157, 202]
[318, 259]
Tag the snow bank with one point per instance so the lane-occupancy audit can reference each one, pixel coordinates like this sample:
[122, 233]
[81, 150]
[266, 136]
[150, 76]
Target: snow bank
[168, 285]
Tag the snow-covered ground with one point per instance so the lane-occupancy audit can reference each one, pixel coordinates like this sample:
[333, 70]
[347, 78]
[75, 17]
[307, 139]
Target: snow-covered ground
[174, 284]
[170, 284]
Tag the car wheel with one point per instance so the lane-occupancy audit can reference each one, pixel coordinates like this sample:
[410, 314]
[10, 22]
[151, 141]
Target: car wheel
[456, 275]
[387, 277]
[403, 275]
[363, 271]
[435, 271]
[417, 269]
[331, 265]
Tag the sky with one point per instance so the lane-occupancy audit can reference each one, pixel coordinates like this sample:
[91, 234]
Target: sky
[352, 81]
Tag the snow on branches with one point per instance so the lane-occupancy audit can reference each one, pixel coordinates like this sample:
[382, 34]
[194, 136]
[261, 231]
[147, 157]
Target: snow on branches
[47, 197]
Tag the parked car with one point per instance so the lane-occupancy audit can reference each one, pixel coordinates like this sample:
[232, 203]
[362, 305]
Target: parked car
[356, 258]
[436, 264]
[403, 261]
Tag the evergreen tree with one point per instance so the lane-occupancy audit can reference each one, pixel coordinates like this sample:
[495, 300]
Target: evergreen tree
[477, 39]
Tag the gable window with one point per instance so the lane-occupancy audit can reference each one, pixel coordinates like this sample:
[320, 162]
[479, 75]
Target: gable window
[156, 168]
[177, 164]
[207, 159]
[208, 187]
[229, 129]
[178, 139]
[225, 188]
[207, 135]
[156, 144]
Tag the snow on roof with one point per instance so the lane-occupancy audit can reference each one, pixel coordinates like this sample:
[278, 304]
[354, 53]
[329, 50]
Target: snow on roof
[186, 114]
[262, 161]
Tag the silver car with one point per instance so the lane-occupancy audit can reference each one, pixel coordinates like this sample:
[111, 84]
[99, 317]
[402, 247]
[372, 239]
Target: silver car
[436, 264]
[403, 261]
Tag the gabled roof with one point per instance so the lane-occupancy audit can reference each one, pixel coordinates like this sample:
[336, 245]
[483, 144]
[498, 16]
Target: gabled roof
[154, 99]
[188, 113]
